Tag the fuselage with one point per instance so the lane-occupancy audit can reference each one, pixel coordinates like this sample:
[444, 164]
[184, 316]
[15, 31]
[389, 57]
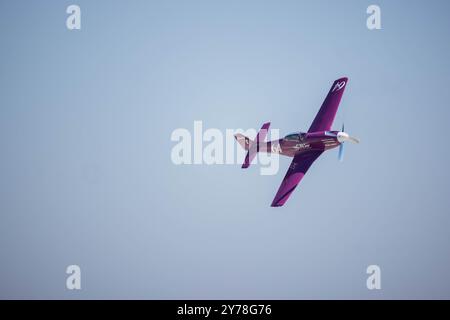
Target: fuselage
[300, 142]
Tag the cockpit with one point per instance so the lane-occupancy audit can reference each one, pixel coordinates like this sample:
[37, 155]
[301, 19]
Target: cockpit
[295, 137]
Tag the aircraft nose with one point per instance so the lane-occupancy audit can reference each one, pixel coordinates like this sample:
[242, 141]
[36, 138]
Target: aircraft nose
[343, 136]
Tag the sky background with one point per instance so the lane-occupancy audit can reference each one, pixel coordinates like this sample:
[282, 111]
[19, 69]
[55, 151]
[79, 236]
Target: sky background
[86, 175]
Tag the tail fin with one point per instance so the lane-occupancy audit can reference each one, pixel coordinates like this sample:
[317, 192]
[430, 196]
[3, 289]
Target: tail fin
[252, 146]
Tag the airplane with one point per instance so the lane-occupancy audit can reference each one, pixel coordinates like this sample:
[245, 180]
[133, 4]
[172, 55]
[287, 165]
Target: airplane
[304, 147]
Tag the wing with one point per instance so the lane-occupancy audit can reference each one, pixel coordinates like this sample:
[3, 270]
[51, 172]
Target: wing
[294, 175]
[325, 116]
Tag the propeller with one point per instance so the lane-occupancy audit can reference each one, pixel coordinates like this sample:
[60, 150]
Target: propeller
[341, 148]
[342, 137]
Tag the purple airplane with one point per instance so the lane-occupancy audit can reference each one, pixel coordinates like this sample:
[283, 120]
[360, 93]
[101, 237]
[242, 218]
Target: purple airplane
[304, 147]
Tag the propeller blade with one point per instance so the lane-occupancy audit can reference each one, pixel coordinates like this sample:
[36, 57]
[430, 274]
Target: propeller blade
[341, 152]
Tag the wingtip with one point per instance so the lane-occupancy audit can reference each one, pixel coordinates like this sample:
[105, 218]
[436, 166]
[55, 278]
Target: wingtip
[276, 204]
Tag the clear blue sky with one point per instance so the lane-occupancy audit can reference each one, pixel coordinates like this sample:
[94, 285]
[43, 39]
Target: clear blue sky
[86, 175]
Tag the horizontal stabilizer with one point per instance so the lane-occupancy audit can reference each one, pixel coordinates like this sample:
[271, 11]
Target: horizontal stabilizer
[243, 141]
